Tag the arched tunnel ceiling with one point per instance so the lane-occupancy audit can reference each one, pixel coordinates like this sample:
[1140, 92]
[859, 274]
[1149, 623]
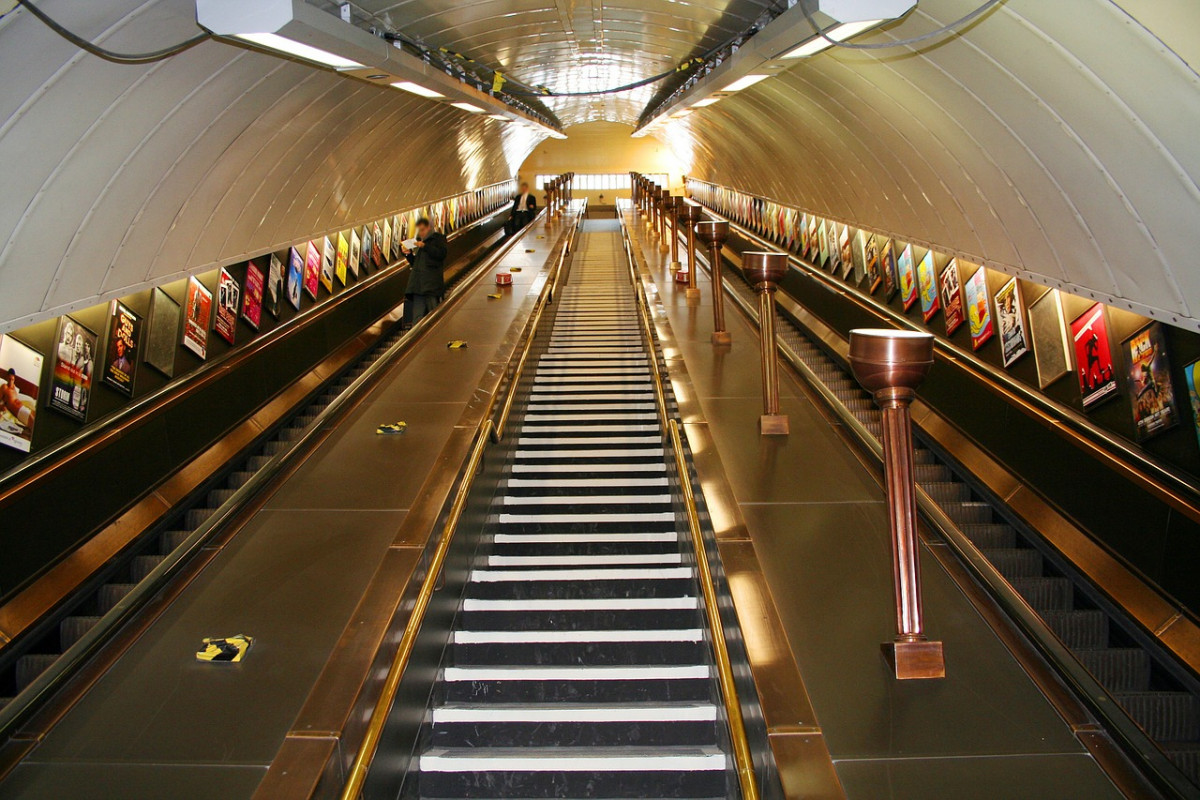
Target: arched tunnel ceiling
[116, 177]
[1053, 140]
[576, 45]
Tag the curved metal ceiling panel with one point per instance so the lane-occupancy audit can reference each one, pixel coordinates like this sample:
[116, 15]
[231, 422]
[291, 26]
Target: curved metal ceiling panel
[117, 176]
[1050, 140]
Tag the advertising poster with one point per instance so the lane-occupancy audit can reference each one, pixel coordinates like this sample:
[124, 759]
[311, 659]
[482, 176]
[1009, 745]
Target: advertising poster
[365, 260]
[295, 277]
[871, 259]
[952, 298]
[328, 261]
[835, 248]
[124, 333]
[274, 290]
[387, 241]
[74, 366]
[979, 314]
[252, 300]
[814, 238]
[1152, 394]
[312, 269]
[377, 245]
[927, 287]
[1093, 357]
[804, 218]
[355, 252]
[343, 258]
[229, 297]
[887, 269]
[1012, 322]
[397, 237]
[21, 371]
[197, 306]
[845, 252]
[1048, 336]
[162, 333]
[1191, 374]
[822, 244]
[908, 277]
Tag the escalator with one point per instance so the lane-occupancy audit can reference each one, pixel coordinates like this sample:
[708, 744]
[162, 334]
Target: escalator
[579, 663]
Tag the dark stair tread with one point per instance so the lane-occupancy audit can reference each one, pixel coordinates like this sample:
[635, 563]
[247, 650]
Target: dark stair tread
[1125, 669]
[30, 666]
[72, 629]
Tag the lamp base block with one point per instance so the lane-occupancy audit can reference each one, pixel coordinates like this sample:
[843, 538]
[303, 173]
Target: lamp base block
[693, 297]
[675, 266]
[722, 337]
[774, 425]
[664, 247]
[919, 660]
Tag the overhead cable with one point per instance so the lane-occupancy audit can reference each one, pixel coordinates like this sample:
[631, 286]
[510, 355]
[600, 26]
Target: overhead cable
[109, 55]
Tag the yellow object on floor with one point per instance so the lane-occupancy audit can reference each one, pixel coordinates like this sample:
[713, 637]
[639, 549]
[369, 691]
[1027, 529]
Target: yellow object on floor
[457, 344]
[391, 428]
[230, 649]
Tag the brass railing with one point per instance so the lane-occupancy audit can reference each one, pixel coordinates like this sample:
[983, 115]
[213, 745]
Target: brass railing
[487, 432]
[742, 755]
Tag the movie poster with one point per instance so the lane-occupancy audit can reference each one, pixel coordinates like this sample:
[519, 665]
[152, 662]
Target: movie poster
[814, 238]
[804, 219]
[355, 252]
[872, 266]
[377, 245]
[197, 306]
[952, 298]
[124, 334]
[295, 277]
[397, 236]
[1152, 394]
[74, 366]
[845, 252]
[1014, 343]
[229, 297]
[162, 332]
[343, 258]
[21, 373]
[979, 314]
[252, 300]
[835, 248]
[387, 241]
[822, 244]
[908, 277]
[1048, 337]
[927, 287]
[887, 269]
[1093, 357]
[365, 259]
[312, 269]
[273, 294]
[328, 262]
[1191, 374]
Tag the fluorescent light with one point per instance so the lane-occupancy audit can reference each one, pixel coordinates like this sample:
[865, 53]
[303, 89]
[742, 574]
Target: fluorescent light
[682, 113]
[708, 101]
[474, 109]
[744, 83]
[839, 34]
[274, 41]
[417, 88]
[499, 117]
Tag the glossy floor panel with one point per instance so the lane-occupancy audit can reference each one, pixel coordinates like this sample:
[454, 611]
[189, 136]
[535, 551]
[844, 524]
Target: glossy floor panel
[131, 781]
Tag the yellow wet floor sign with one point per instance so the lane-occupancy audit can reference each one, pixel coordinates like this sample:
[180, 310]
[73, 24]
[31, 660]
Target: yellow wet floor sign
[391, 428]
[228, 649]
[495, 296]
[457, 344]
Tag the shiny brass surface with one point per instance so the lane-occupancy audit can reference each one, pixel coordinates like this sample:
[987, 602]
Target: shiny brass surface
[713, 233]
[676, 204]
[665, 205]
[891, 365]
[764, 271]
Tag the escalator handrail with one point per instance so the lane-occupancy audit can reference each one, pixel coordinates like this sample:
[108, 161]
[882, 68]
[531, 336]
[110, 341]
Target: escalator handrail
[742, 755]
[484, 435]
[1082, 683]
[58, 673]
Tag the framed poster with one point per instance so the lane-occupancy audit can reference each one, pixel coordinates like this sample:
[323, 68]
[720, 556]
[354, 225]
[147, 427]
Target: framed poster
[1009, 310]
[952, 298]
[124, 334]
[803, 232]
[355, 252]
[328, 262]
[1151, 393]
[162, 333]
[887, 269]
[397, 237]
[295, 277]
[312, 269]
[74, 366]
[871, 265]
[343, 258]
[229, 297]
[365, 260]
[814, 242]
[274, 290]
[835, 248]
[21, 371]
[1191, 375]
[927, 287]
[823, 244]
[1093, 356]
[908, 277]
[979, 313]
[252, 298]
[846, 252]
[197, 306]
[387, 241]
[1048, 331]
[377, 245]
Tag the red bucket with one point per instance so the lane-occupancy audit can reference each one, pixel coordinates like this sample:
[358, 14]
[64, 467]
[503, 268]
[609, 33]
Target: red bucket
[681, 277]
[504, 279]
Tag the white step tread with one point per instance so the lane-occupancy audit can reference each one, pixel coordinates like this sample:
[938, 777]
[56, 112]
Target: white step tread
[630, 517]
[576, 673]
[584, 499]
[684, 603]
[542, 575]
[632, 712]
[611, 559]
[578, 637]
[563, 759]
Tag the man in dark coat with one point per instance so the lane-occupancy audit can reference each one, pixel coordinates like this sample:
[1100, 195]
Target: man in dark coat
[524, 208]
[426, 282]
